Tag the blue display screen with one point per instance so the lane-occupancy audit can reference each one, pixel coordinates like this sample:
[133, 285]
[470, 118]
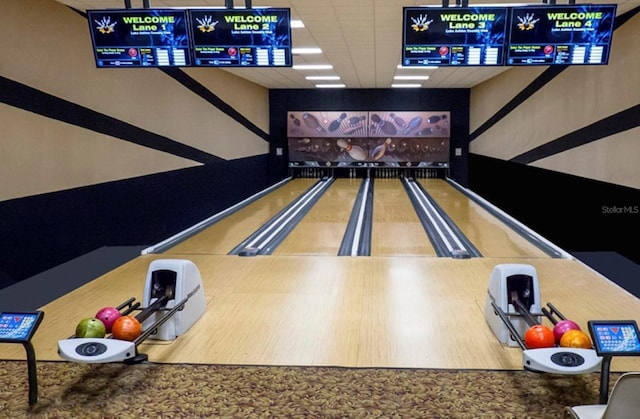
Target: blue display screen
[241, 38]
[547, 35]
[615, 337]
[460, 36]
[18, 327]
[140, 37]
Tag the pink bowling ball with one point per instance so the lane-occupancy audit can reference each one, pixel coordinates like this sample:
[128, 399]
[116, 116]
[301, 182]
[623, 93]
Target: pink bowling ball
[108, 315]
[562, 327]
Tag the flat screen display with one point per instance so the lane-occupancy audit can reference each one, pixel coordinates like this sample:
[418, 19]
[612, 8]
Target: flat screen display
[618, 337]
[548, 35]
[461, 36]
[139, 37]
[241, 38]
[19, 327]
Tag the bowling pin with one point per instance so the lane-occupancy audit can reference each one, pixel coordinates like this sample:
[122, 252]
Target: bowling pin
[379, 151]
[355, 151]
[413, 124]
[334, 125]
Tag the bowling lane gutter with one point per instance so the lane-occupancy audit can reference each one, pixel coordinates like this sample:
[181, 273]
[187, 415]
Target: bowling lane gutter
[268, 237]
[446, 237]
[357, 237]
[202, 225]
[528, 234]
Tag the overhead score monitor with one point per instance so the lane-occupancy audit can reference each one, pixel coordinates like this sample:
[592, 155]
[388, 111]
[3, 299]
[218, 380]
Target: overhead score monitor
[139, 37]
[460, 36]
[560, 35]
[241, 37]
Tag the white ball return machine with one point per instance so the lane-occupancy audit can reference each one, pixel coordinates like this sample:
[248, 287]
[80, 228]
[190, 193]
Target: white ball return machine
[173, 301]
[513, 305]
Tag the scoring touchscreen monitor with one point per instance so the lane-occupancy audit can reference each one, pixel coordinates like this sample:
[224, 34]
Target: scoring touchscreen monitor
[461, 36]
[19, 327]
[616, 337]
[139, 37]
[548, 35]
[241, 38]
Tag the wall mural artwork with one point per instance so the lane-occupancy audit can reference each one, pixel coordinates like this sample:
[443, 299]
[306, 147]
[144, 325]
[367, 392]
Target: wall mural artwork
[368, 139]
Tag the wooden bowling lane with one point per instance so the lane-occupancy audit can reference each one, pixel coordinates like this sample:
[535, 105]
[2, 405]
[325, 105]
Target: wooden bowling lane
[223, 236]
[396, 312]
[487, 233]
[396, 230]
[322, 229]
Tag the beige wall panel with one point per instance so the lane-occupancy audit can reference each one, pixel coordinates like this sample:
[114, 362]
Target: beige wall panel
[614, 160]
[576, 98]
[147, 98]
[245, 97]
[40, 155]
[489, 97]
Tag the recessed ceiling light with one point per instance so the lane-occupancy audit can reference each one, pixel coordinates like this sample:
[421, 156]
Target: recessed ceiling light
[330, 85]
[426, 67]
[406, 85]
[312, 67]
[296, 24]
[306, 50]
[322, 77]
[411, 77]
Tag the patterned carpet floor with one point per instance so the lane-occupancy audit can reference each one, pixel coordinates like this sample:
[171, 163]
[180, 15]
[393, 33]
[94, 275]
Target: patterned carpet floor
[148, 390]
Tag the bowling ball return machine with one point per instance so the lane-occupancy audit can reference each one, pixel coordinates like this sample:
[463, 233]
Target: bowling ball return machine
[173, 301]
[513, 305]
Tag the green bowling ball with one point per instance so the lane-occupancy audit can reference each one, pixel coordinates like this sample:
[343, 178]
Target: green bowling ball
[90, 328]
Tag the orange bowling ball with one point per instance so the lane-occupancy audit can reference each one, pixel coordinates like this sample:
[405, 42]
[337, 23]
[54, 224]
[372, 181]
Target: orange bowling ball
[539, 336]
[575, 339]
[126, 328]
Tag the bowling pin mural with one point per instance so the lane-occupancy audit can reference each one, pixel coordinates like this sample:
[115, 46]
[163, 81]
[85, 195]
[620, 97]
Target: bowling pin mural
[381, 125]
[378, 152]
[355, 151]
[334, 125]
[312, 122]
[413, 124]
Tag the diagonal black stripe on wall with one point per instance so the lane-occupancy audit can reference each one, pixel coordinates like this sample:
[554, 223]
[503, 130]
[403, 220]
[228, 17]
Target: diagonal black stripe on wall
[622, 121]
[25, 97]
[197, 88]
[537, 84]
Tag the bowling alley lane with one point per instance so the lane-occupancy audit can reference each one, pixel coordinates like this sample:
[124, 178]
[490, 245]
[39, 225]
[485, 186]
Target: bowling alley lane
[396, 312]
[487, 233]
[396, 229]
[322, 229]
[224, 235]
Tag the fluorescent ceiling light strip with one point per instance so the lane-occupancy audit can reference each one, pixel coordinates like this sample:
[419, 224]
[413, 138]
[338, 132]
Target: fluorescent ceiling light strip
[411, 77]
[330, 85]
[322, 77]
[296, 24]
[313, 67]
[406, 85]
[426, 67]
[306, 50]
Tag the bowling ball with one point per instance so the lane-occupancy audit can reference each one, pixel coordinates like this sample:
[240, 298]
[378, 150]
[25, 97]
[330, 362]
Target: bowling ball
[575, 339]
[108, 315]
[126, 328]
[564, 326]
[90, 328]
[539, 336]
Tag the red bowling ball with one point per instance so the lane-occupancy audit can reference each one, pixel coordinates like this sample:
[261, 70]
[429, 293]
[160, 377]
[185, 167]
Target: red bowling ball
[562, 327]
[108, 315]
